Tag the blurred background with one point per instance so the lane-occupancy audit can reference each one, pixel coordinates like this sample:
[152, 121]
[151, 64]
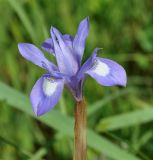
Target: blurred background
[120, 120]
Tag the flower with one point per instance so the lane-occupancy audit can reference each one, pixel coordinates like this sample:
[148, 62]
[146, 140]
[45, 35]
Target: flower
[68, 51]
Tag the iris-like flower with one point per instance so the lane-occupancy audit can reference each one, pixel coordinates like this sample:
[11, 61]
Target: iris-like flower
[68, 51]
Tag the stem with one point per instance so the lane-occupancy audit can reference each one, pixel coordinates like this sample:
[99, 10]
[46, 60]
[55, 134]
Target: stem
[80, 131]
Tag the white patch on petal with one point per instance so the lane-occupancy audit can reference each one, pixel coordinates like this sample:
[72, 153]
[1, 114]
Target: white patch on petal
[49, 86]
[101, 68]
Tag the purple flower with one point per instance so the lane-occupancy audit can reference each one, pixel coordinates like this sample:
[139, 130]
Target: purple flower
[68, 52]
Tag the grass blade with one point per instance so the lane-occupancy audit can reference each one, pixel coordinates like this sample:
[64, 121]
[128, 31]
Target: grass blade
[63, 124]
[16, 5]
[126, 120]
[18, 148]
[98, 105]
[39, 154]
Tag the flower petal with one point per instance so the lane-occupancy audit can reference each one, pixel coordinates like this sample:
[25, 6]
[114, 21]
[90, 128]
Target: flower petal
[68, 37]
[107, 72]
[80, 38]
[48, 46]
[68, 40]
[33, 54]
[88, 64]
[66, 60]
[45, 94]
[76, 87]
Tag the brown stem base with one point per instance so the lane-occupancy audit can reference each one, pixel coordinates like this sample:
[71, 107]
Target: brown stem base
[80, 131]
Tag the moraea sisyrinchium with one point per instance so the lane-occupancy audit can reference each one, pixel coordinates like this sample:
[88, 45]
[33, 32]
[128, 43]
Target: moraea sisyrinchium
[68, 51]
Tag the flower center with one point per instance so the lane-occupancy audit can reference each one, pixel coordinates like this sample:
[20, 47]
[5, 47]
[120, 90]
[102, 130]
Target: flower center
[49, 86]
[101, 68]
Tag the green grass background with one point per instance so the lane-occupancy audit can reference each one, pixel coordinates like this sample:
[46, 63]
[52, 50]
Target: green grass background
[120, 120]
